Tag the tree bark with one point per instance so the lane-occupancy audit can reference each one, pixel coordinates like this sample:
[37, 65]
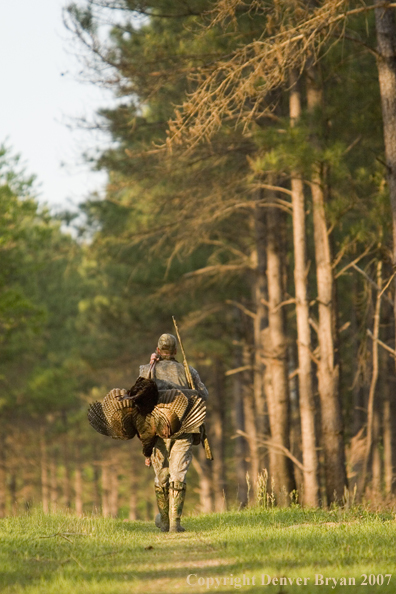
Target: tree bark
[3, 484]
[278, 399]
[53, 483]
[239, 419]
[66, 475]
[113, 498]
[373, 384]
[217, 432]
[105, 490]
[387, 437]
[133, 485]
[260, 322]
[44, 472]
[96, 480]
[386, 63]
[328, 369]
[13, 493]
[376, 464]
[205, 491]
[388, 375]
[78, 489]
[304, 349]
[250, 418]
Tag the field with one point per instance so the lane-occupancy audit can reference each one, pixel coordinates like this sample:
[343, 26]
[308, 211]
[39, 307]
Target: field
[248, 551]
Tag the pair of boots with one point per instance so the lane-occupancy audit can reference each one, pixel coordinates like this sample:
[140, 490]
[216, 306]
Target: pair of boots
[170, 501]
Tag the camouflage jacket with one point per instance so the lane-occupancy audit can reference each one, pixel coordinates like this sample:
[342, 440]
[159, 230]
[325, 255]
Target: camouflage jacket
[169, 373]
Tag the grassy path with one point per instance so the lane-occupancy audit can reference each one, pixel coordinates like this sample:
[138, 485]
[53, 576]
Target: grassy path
[62, 554]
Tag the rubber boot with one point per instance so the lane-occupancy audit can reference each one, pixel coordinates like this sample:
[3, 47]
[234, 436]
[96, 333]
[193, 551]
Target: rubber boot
[177, 494]
[162, 519]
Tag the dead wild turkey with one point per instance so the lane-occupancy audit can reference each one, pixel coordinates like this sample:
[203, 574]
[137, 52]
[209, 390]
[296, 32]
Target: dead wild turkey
[147, 412]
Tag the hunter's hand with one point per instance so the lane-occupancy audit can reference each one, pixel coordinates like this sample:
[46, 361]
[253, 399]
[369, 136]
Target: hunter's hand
[154, 358]
[147, 462]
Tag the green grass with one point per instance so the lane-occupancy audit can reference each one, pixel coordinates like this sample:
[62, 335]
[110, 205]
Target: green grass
[63, 554]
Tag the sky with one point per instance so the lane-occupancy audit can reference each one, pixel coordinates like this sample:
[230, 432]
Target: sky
[41, 97]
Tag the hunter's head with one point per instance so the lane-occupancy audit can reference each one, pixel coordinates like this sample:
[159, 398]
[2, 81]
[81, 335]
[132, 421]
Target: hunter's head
[166, 348]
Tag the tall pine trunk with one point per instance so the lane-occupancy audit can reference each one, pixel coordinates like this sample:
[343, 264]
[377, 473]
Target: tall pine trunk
[53, 483]
[217, 432]
[372, 409]
[306, 399]
[328, 369]
[113, 498]
[250, 417]
[202, 467]
[239, 421]
[133, 485]
[260, 322]
[3, 484]
[105, 489]
[44, 472]
[386, 63]
[78, 489]
[66, 475]
[278, 399]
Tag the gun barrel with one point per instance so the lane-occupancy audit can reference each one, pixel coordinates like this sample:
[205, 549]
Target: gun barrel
[186, 366]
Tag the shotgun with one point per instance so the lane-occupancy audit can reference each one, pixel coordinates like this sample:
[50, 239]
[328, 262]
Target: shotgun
[204, 437]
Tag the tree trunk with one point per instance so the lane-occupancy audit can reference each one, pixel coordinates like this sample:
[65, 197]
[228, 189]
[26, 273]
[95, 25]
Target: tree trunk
[13, 493]
[376, 464]
[3, 484]
[217, 432]
[358, 419]
[66, 474]
[386, 64]
[44, 472]
[260, 322]
[250, 418]
[78, 489]
[306, 400]
[328, 370]
[388, 378]
[278, 400]
[133, 485]
[374, 378]
[240, 442]
[113, 499]
[53, 484]
[387, 436]
[105, 490]
[202, 467]
[96, 480]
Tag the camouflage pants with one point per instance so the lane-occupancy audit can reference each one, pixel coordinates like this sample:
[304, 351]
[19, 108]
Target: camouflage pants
[171, 459]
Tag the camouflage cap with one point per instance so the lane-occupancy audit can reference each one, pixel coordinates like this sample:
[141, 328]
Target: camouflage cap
[167, 344]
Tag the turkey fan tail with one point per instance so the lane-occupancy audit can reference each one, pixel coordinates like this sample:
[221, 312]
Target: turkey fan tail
[97, 419]
[194, 415]
[119, 415]
[166, 421]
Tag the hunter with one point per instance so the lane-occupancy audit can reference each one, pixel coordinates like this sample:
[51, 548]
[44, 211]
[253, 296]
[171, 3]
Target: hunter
[171, 457]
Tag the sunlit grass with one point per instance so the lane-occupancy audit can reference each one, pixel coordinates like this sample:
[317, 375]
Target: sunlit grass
[63, 554]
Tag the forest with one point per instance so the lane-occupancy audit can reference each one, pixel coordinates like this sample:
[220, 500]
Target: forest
[251, 163]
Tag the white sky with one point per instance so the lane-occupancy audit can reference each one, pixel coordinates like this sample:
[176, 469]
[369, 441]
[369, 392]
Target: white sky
[40, 94]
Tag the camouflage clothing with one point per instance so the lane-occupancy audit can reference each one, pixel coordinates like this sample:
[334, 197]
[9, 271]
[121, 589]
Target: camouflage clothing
[162, 496]
[171, 459]
[177, 494]
[169, 373]
[167, 343]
